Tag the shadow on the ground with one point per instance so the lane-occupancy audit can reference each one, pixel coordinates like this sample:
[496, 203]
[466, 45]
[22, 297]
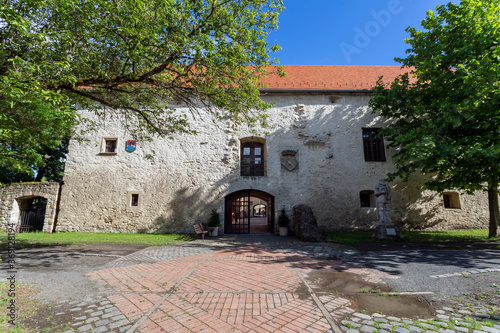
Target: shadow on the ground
[22, 244]
[392, 261]
[388, 245]
[387, 257]
[55, 255]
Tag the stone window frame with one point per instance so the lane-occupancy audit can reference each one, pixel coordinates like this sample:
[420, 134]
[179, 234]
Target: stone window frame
[248, 140]
[451, 200]
[130, 195]
[371, 198]
[373, 148]
[104, 142]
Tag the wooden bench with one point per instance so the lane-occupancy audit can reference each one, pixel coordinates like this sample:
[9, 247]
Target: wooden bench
[200, 229]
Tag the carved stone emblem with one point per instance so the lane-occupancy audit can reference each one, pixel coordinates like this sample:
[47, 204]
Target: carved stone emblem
[289, 160]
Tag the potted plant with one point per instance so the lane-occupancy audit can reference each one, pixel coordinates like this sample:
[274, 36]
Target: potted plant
[283, 222]
[214, 223]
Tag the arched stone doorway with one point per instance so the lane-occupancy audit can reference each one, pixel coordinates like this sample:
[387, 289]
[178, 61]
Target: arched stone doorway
[29, 206]
[239, 212]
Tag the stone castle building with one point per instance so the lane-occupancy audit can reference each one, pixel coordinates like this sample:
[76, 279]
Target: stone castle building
[319, 149]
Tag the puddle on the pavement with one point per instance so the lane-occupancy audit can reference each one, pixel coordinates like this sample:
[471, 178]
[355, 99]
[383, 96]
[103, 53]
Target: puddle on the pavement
[366, 296]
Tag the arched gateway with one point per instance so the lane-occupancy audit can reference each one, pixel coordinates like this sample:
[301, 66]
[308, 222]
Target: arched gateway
[249, 211]
[28, 207]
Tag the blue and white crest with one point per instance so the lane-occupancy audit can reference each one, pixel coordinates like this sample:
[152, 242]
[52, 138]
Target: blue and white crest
[131, 145]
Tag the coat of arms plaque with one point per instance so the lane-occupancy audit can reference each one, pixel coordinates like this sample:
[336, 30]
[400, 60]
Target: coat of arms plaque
[289, 160]
[130, 146]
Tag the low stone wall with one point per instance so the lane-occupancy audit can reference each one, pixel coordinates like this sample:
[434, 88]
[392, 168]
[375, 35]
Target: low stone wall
[11, 196]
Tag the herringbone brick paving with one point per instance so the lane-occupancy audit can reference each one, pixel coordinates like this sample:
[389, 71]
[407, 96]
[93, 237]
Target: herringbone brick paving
[239, 289]
[232, 286]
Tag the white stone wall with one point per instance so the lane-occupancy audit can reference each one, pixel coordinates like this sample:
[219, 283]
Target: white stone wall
[191, 174]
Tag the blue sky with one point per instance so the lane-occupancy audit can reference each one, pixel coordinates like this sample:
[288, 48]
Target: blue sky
[347, 32]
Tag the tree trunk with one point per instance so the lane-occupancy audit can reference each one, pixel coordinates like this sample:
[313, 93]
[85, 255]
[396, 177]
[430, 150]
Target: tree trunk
[40, 174]
[494, 212]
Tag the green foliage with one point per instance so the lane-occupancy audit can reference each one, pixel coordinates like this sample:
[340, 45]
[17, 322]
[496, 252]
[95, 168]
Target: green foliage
[134, 56]
[28, 128]
[446, 114]
[41, 239]
[9, 176]
[130, 59]
[49, 168]
[283, 219]
[214, 219]
[53, 167]
[464, 236]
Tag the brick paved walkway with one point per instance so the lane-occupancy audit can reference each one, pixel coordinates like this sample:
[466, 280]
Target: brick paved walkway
[235, 284]
[240, 289]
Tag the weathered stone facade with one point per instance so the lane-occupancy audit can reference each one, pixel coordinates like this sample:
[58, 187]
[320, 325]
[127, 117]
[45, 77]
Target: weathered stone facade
[189, 175]
[14, 195]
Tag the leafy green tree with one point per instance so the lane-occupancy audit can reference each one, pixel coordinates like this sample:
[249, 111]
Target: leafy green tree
[445, 115]
[135, 59]
[53, 167]
[50, 168]
[8, 176]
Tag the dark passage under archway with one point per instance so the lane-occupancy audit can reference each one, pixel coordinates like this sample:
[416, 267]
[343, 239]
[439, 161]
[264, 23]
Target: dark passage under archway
[32, 214]
[240, 208]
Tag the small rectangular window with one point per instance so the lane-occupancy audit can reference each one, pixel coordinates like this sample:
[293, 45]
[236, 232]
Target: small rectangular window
[135, 200]
[109, 145]
[367, 198]
[258, 152]
[447, 201]
[451, 200]
[246, 151]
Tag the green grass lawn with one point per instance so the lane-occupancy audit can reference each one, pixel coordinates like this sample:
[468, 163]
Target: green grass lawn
[38, 239]
[35, 239]
[409, 236]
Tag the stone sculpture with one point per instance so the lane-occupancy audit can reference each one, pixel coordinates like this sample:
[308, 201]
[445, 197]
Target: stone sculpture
[383, 200]
[385, 227]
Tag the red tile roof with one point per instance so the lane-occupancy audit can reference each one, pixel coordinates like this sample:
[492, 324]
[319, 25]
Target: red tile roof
[332, 77]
